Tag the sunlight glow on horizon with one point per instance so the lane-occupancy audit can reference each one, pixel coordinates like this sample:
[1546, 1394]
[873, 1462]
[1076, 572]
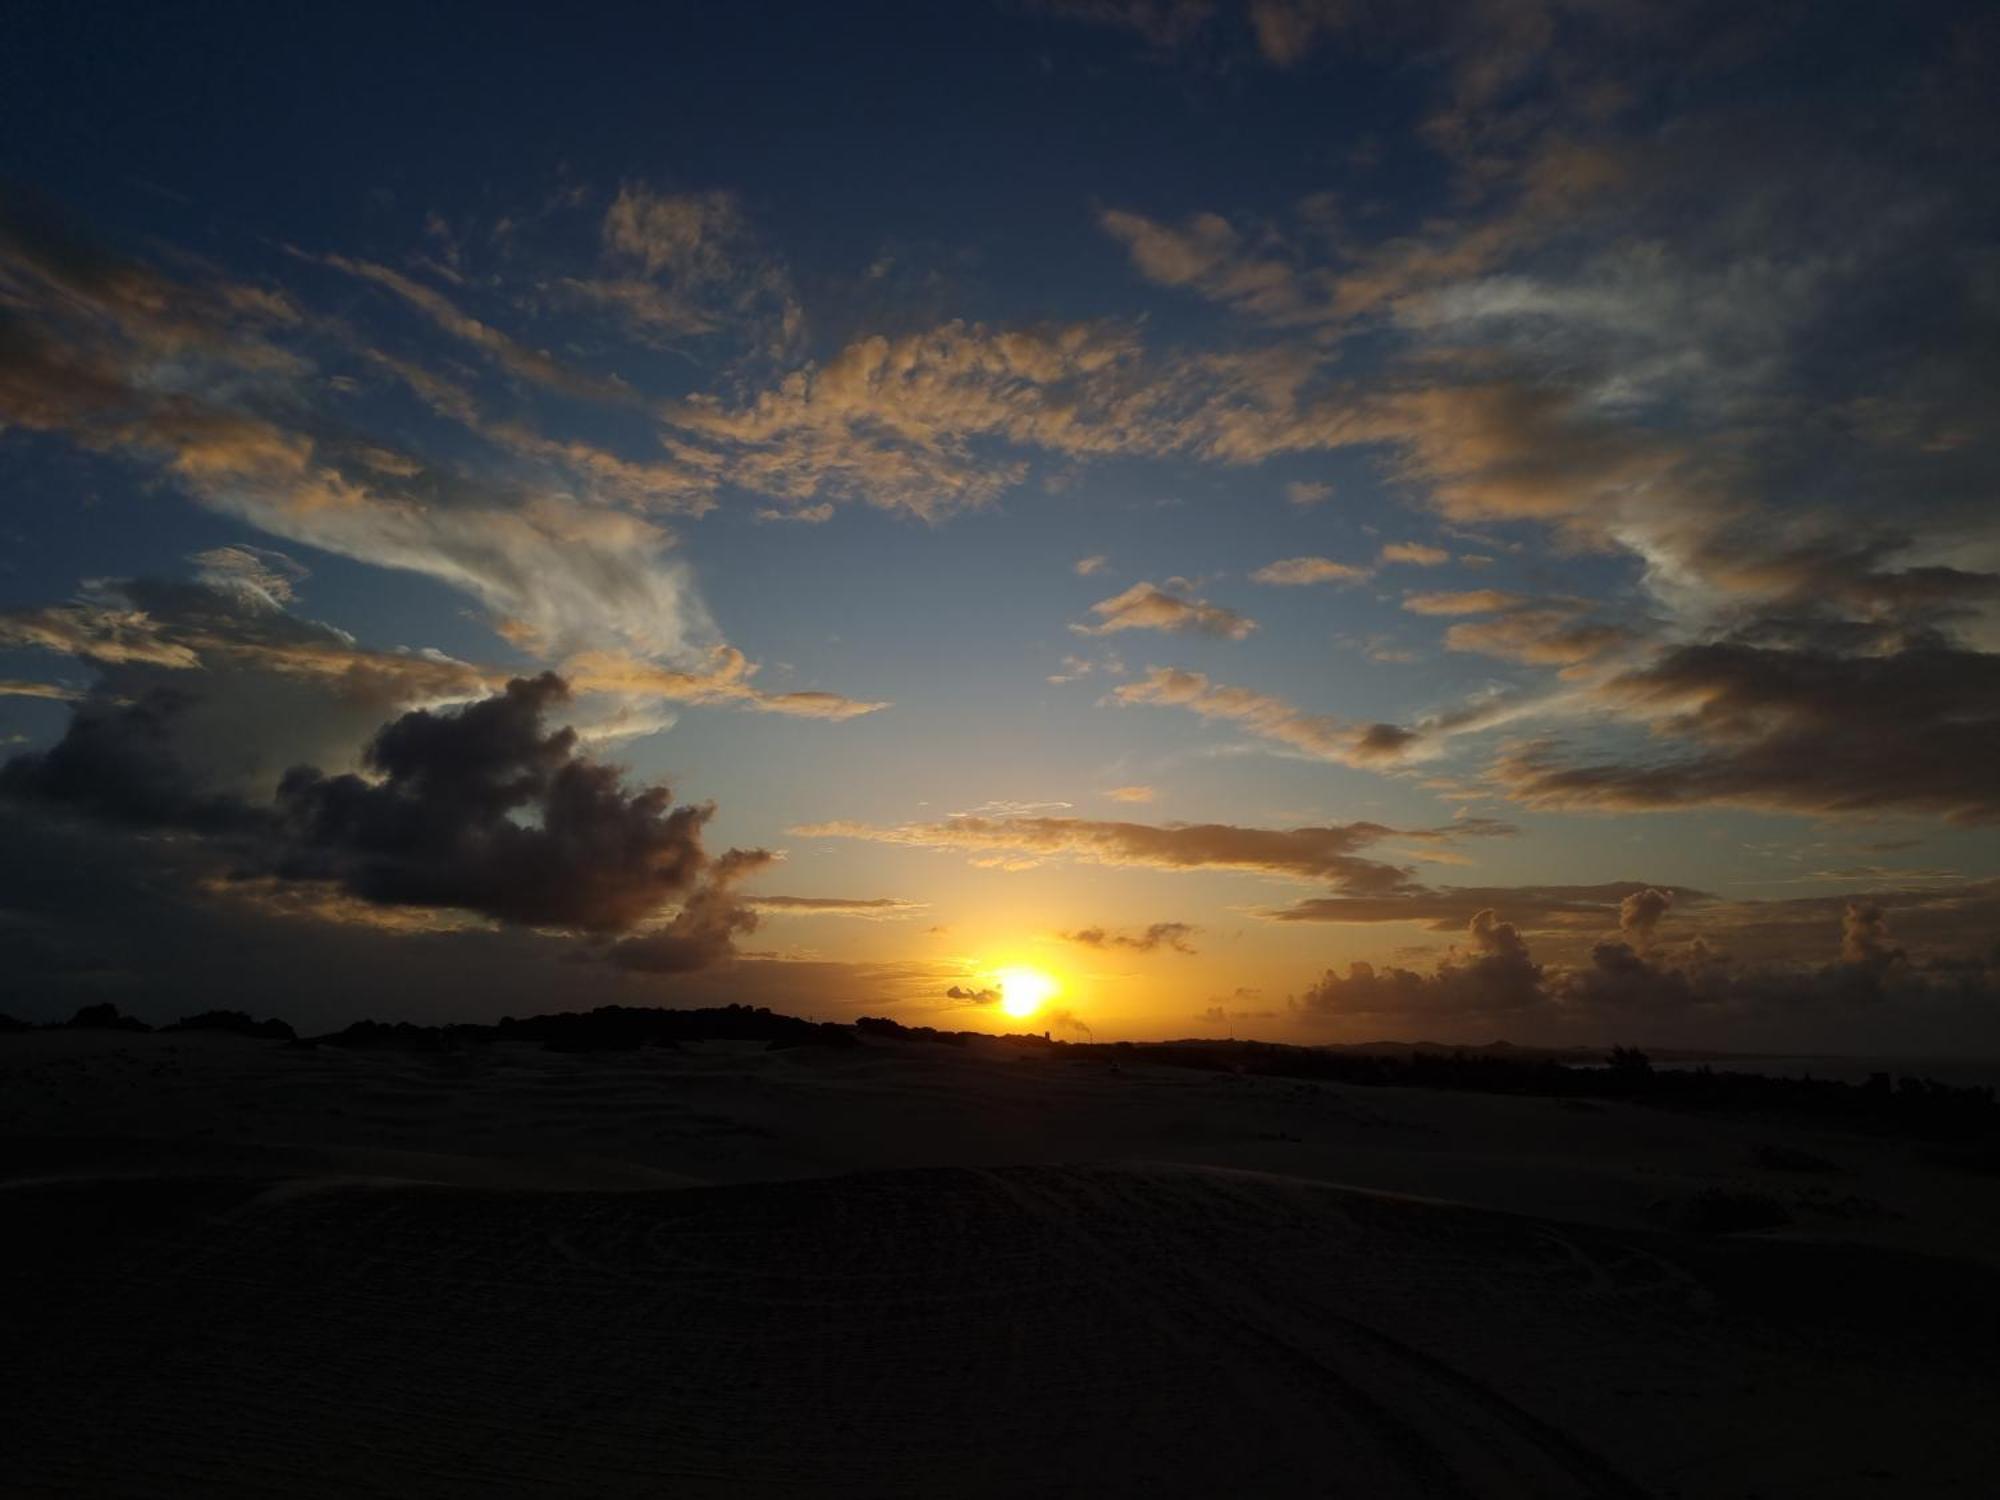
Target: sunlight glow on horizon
[1023, 990]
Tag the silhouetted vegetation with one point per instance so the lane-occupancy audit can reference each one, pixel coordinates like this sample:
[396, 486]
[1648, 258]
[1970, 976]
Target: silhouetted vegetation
[236, 1022]
[104, 1017]
[1629, 1062]
[1908, 1106]
[609, 1028]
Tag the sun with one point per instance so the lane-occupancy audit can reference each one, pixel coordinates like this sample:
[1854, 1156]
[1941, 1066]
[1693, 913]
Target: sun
[1024, 991]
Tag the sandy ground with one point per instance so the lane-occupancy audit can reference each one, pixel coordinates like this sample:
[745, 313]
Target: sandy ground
[244, 1268]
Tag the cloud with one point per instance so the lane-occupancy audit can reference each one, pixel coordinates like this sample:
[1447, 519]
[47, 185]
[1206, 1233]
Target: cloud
[1415, 554]
[268, 576]
[116, 762]
[724, 677]
[1085, 567]
[528, 364]
[1257, 277]
[1537, 907]
[870, 908]
[1147, 607]
[1331, 853]
[1307, 493]
[1130, 793]
[688, 264]
[1298, 570]
[1469, 602]
[17, 687]
[1492, 976]
[226, 684]
[1074, 668]
[1493, 982]
[893, 422]
[1864, 936]
[1805, 730]
[1640, 914]
[1544, 637]
[486, 810]
[1172, 935]
[976, 997]
[702, 934]
[1318, 735]
[1546, 632]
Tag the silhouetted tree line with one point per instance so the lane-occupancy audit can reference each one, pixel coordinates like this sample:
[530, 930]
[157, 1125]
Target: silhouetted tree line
[609, 1028]
[107, 1017]
[1906, 1105]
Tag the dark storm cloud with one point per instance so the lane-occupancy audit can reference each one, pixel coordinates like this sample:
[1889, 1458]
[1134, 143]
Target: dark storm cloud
[117, 762]
[483, 810]
[702, 935]
[487, 810]
[1796, 730]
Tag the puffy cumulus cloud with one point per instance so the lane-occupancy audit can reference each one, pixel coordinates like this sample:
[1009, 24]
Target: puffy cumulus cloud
[972, 996]
[487, 810]
[482, 810]
[1807, 730]
[1171, 935]
[1414, 554]
[1145, 606]
[867, 908]
[221, 687]
[1864, 936]
[1331, 853]
[1299, 570]
[1320, 736]
[117, 762]
[1493, 981]
[1491, 976]
[1640, 914]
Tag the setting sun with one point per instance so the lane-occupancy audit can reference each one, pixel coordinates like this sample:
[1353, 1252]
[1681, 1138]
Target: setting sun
[1024, 991]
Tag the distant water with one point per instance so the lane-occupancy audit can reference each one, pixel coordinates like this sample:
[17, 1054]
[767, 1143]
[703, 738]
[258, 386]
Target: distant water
[1958, 1071]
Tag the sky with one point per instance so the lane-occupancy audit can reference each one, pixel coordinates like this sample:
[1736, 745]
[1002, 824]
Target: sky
[1307, 519]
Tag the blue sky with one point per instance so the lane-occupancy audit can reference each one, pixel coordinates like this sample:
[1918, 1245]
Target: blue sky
[1188, 496]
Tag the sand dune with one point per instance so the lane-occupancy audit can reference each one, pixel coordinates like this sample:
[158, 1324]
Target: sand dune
[919, 1271]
